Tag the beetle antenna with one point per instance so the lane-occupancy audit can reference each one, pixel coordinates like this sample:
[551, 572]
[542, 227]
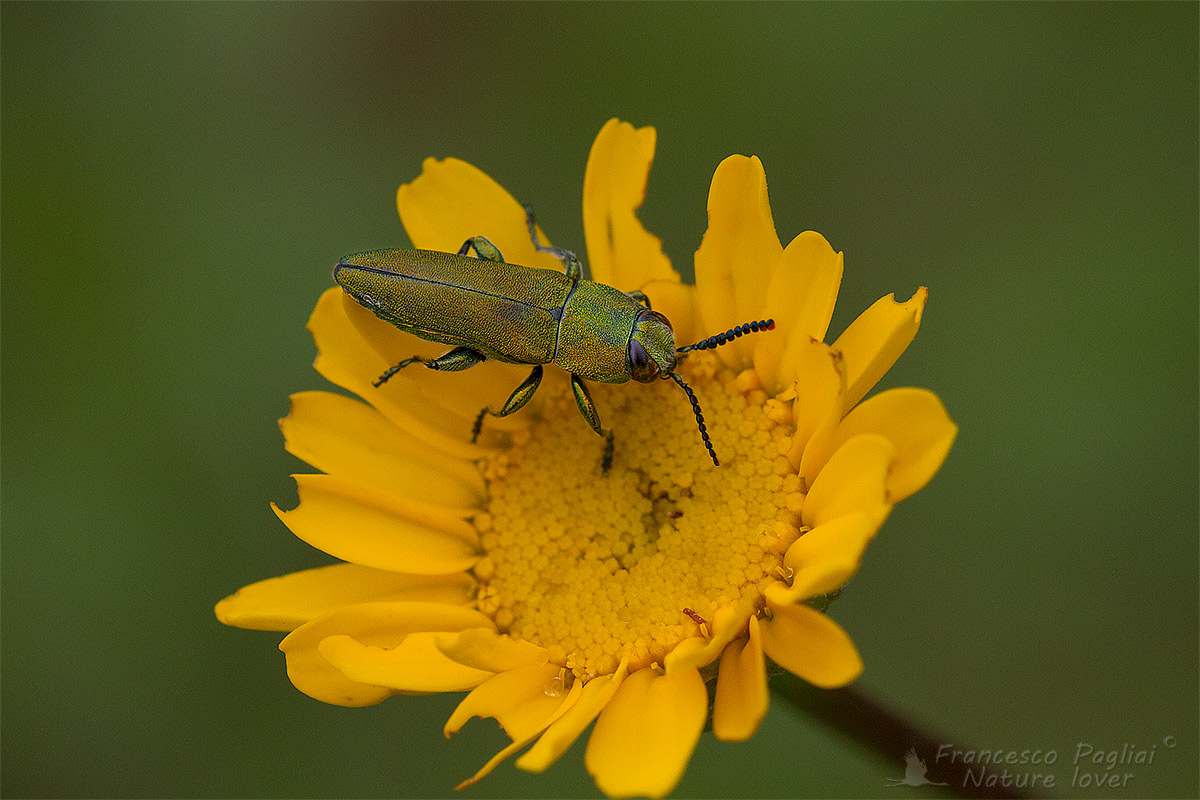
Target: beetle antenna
[699, 416]
[729, 336]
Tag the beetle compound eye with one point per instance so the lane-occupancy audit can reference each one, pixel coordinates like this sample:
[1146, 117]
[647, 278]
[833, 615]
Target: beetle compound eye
[641, 367]
[637, 355]
[654, 353]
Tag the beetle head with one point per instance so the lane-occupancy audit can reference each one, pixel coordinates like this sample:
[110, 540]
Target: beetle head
[651, 351]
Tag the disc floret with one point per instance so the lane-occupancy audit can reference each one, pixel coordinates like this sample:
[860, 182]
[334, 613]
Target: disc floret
[597, 570]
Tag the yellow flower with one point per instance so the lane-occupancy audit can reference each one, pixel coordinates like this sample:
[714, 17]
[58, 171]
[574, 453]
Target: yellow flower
[513, 569]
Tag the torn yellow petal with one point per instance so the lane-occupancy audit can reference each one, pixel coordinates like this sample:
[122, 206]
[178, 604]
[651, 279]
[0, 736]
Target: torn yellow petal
[343, 437]
[413, 665]
[452, 201]
[564, 731]
[741, 695]
[365, 526]
[646, 734]
[564, 707]
[913, 420]
[800, 298]
[483, 648]
[286, 602]
[345, 358]
[875, 340]
[621, 252]
[807, 643]
[519, 699]
[383, 624]
[853, 480]
[738, 255]
[827, 556]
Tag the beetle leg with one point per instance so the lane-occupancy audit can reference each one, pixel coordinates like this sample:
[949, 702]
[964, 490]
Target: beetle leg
[515, 402]
[459, 358]
[573, 267]
[583, 399]
[485, 249]
[571, 263]
[639, 296]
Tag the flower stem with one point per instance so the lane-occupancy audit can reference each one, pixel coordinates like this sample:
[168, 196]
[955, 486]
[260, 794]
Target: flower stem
[869, 723]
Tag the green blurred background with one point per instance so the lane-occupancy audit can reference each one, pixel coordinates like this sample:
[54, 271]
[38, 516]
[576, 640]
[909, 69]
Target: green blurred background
[178, 180]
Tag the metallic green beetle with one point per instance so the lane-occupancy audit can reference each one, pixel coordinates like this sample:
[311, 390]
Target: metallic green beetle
[488, 308]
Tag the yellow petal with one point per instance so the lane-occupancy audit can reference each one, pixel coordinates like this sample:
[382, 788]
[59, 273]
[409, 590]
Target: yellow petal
[800, 298]
[739, 254]
[827, 556]
[646, 734]
[414, 665]
[563, 733]
[365, 526]
[741, 695]
[345, 358]
[876, 339]
[820, 383]
[568, 702]
[451, 201]
[677, 301]
[383, 624]
[691, 653]
[697, 651]
[483, 648]
[853, 480]
[519, 699]
[913, 420]
[343, 437]
[621, 252]
[286, 602]
[808, 643]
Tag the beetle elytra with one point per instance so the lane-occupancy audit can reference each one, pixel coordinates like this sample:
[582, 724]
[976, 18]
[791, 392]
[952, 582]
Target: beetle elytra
[487, 308]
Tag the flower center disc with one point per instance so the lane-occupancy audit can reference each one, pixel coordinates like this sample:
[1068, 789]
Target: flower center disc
[597, 568]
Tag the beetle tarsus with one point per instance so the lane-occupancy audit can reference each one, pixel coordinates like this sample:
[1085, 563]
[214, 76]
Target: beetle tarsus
[515, 402]
[587, 407]
[570, 261]
[606, 459]
[478, 425]
[386, 376]
[454, 360]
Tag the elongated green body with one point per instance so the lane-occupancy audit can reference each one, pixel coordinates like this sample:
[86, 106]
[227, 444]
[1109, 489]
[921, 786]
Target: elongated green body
[506, 312]
[488, 308]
